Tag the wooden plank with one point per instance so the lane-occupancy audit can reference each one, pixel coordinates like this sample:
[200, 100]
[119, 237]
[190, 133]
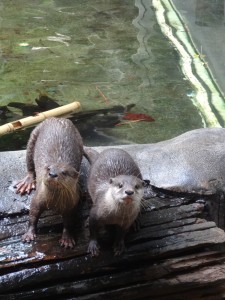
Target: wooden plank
[17, 226]
[155, 232]
[173, 213]
[139, 282]
[170, 227]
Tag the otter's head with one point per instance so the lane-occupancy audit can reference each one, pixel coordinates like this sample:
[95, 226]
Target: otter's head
[127, 189]
[60, 175]
[60, 181]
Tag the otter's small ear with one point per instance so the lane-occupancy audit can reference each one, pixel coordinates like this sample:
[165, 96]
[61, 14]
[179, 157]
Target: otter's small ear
[110, 180]
[146, 182]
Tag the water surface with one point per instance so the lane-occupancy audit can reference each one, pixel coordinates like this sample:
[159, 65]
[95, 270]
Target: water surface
[82, 50]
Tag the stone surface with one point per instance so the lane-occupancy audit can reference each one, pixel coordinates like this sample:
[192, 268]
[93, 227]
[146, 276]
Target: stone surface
[192, 162]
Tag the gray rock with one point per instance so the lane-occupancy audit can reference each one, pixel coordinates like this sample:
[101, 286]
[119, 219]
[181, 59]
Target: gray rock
[192, 162]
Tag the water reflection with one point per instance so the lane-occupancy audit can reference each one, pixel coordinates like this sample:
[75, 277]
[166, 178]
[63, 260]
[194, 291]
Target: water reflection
[204, 20]
[144, 56]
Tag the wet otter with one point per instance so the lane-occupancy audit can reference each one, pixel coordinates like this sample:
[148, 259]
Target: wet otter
[54, 154]
[116, 188]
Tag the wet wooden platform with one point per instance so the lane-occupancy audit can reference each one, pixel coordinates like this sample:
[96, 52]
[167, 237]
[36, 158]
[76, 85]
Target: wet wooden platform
[177, 253]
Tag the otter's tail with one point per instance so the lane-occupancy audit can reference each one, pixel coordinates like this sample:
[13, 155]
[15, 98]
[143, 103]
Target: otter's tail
[90, 154]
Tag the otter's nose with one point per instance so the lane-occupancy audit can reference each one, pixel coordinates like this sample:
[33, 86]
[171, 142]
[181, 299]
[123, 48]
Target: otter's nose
[129, 193]
[53, 175]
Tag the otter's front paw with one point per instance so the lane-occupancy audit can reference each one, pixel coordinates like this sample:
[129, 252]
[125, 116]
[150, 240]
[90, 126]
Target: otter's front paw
[28, 237]
[26, 185]
[93, 248]
[67, 242]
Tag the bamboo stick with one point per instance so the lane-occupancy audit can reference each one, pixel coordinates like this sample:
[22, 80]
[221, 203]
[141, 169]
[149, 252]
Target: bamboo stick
[28, 121]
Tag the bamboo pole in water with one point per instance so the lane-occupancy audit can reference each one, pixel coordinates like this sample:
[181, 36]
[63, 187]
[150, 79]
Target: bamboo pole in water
[28, 121]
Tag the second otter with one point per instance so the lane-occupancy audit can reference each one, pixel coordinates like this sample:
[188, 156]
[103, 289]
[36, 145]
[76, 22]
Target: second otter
[54, 154]
[116, 188]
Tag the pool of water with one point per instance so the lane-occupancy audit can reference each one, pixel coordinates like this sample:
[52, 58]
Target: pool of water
[109, 55]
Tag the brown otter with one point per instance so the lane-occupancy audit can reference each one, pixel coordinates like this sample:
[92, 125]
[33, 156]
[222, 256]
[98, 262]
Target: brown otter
[54, 154]
[116, 188]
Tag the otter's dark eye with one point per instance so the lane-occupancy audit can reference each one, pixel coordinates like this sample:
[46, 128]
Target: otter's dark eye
[137, 186]
[64, 173]
[120, 185]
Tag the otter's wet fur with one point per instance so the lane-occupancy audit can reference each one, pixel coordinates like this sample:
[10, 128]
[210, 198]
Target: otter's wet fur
[116, 188]
[54, 154]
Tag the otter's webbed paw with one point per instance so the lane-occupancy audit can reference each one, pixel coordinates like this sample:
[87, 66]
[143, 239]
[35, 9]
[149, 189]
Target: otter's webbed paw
[93, 248]
[67, 241]
[29, 236]
[26, 185]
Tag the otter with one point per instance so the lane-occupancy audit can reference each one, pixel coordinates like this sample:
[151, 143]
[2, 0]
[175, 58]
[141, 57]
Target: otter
[116, 188]
[54, 154]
